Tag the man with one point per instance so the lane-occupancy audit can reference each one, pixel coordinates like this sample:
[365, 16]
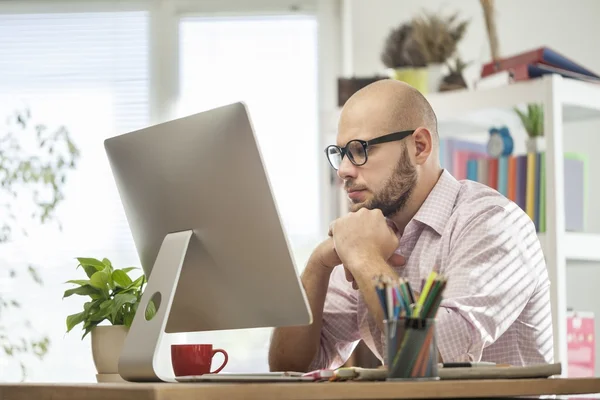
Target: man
[410, 217]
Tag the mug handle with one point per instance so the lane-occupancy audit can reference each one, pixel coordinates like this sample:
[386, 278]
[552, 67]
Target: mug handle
[215, 351]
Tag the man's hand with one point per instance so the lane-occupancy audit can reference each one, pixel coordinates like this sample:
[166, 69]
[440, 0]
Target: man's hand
[396, 260]
[325, 254]
[363, 236]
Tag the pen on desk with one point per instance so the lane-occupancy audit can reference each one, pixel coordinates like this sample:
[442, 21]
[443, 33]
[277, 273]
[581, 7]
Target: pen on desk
[469, 364]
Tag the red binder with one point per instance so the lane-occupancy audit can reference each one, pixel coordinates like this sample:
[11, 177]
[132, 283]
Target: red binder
[541, 55]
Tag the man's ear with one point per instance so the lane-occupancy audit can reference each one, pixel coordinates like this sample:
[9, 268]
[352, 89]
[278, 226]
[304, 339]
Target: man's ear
[423, 145]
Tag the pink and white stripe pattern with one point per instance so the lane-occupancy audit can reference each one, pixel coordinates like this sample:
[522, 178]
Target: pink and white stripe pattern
[496, 304]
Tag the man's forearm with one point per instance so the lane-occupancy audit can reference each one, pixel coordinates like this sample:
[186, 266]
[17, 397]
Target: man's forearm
[293, 348]
[364, 272]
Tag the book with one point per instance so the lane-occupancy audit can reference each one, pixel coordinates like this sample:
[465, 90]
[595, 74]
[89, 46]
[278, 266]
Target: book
[541, 56]
[526, 72]
[581, 344]
[522, 179]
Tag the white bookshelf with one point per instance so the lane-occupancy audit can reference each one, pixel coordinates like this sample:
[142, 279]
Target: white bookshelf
[564, 100]
[578, 246]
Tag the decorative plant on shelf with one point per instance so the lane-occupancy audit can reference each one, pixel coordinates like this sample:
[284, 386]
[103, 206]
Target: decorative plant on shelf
[404, 58]
[533, 122]
[455, 79]
[401, 50]
[532, 119]
[34, 163]
[114, 297]
[438, 36]
[417, 51]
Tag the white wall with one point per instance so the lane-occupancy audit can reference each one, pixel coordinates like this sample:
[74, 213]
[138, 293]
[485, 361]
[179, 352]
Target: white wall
[570, 27]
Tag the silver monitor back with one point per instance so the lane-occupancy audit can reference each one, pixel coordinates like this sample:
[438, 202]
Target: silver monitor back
[205, 173]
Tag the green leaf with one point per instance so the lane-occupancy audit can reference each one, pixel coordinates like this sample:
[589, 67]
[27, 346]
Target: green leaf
[150, 310]
[124, 298]
[79, 282]
[34, 274]
[89, 270]
[99, 315]
[120, 290]
[94, 306]
[75, 319]
[128, 269]
[86, 290]
[532, 119]
[137, 283]
[89, 328]
[99, 265]
[100, 280]
[121, 278]
[128, 319]
[106, 304]
[120, 300]
[130, 315]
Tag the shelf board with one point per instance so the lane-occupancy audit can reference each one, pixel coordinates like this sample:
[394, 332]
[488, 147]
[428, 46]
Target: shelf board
[468, 110]
[475, 111]
[578, 246]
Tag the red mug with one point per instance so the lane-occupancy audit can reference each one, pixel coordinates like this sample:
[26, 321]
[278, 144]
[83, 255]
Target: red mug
[195, 359]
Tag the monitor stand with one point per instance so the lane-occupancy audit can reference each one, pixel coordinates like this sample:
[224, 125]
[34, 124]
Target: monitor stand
[138, 361]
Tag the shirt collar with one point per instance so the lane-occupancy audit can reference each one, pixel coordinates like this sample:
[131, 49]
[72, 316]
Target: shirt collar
[437, 207]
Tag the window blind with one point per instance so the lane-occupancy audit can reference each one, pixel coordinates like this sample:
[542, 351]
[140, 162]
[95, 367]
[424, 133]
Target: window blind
[223, 60]
[88, 71]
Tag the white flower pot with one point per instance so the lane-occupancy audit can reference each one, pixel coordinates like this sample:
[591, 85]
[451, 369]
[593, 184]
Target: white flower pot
[435, 76]
[107, 343]
[535, 144]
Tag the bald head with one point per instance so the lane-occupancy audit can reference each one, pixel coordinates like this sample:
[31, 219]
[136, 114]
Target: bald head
[393, 176]
[396, 105]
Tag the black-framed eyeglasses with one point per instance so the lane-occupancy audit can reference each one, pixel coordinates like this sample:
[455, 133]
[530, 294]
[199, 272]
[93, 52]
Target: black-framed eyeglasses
[357, 150]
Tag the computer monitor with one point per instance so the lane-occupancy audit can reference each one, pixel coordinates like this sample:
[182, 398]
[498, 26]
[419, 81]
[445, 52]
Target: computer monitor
[207, 230]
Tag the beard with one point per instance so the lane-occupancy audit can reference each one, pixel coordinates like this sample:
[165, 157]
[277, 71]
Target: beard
[396, 191]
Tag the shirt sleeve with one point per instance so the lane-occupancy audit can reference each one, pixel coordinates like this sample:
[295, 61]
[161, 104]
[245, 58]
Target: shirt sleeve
[492, 272]
[340, 332]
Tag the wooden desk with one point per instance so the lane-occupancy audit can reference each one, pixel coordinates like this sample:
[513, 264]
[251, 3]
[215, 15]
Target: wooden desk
[303, 391]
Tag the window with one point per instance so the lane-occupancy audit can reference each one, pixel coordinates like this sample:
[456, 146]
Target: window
[89, 72]
[270, 63]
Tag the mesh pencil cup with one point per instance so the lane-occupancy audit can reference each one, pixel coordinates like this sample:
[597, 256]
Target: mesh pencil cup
[412, 352]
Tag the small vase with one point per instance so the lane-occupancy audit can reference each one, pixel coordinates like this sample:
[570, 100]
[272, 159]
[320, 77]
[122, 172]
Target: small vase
[107, 343]
[435, 76]
[415, 77]
[536, 144]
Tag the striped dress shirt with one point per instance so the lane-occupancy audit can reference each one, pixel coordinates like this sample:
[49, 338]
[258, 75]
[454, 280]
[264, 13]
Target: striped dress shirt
[496, 304]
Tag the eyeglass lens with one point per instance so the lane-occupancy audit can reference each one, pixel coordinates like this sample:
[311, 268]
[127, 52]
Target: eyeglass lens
[354, 150]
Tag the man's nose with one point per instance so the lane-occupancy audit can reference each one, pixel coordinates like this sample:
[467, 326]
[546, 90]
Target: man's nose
[347, 169]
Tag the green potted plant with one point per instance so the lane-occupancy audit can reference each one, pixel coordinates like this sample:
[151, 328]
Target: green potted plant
[438, 37]
[532, 119]
[404, 58]
[114, 298]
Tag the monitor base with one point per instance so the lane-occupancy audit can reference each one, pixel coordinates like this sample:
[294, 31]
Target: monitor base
[139, 355]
